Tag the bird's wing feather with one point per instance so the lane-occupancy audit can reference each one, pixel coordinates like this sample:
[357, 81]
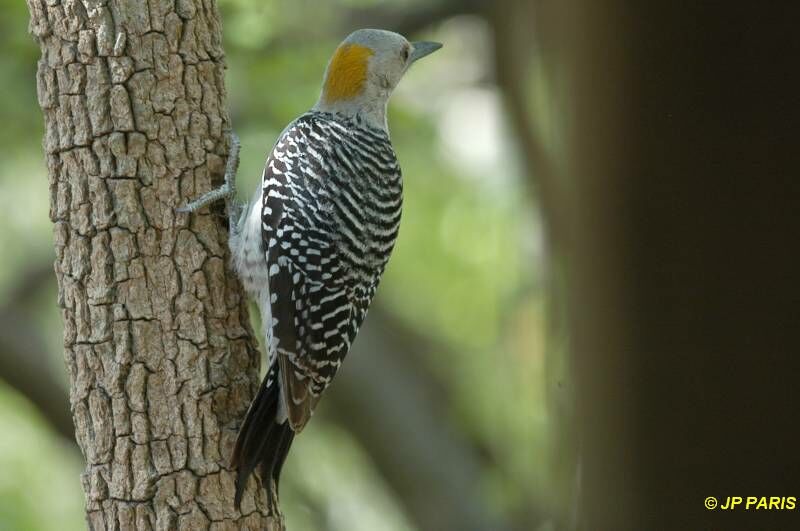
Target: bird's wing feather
[310, 303]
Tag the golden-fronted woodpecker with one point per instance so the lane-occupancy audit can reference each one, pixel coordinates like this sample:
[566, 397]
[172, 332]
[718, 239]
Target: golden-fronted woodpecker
[312, 244]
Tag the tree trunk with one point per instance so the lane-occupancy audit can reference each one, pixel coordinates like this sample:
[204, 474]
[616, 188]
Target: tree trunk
[161, 359]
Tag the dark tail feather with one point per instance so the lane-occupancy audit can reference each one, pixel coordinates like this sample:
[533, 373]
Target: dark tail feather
[261, 440]
[276, 453]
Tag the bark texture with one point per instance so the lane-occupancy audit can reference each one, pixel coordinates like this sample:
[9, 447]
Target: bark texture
[160, 355]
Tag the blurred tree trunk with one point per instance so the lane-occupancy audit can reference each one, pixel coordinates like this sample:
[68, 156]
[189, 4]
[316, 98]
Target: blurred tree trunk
[680, 149]
[667, 206]
[156, 337]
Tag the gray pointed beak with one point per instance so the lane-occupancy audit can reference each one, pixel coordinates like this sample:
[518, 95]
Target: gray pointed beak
[422, 48]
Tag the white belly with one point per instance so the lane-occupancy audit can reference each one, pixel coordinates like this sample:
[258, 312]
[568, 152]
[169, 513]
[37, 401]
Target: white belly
[250, 263]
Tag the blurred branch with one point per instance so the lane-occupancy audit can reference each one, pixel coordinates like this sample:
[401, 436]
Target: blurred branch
[401, 20]
[436, 472]
[408, 22]
[523, 31]
[36, 277]
[23, 365]
[24, 356]
[515, 46]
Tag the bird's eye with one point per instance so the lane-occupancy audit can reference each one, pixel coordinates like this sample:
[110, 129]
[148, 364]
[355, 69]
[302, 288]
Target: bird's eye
[405, 54]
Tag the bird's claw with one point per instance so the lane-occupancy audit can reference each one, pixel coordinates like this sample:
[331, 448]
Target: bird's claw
[228, 190]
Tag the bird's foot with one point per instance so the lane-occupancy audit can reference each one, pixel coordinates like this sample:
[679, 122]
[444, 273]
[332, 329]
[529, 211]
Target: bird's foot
[228, 190]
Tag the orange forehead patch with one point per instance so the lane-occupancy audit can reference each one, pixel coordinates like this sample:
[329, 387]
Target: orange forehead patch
[347, 72]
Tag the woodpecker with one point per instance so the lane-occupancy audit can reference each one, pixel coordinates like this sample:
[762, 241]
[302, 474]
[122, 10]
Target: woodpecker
[311, 245]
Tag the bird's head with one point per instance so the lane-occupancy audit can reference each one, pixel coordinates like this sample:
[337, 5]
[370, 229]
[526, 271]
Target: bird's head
[365, 69]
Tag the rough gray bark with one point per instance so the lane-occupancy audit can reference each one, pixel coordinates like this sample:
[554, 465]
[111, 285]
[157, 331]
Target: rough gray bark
[160, 355]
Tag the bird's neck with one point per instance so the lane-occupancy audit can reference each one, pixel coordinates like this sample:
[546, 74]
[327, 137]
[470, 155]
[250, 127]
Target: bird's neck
[370, 110]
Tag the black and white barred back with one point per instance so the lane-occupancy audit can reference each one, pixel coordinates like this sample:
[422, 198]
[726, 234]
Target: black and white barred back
[330, 213]
[332, 195]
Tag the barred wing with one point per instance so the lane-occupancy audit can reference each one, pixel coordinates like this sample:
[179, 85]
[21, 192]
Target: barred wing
[313, 312]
